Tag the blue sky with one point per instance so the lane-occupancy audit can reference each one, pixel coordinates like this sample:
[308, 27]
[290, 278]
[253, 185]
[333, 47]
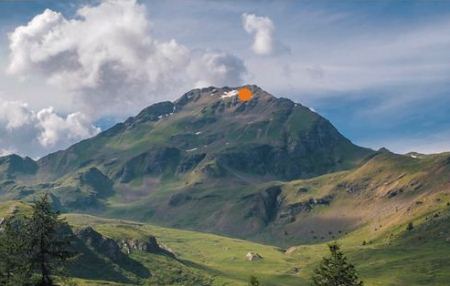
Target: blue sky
[378, 70]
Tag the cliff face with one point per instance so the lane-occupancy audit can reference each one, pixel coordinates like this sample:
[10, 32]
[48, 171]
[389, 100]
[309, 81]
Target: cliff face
[116, 249]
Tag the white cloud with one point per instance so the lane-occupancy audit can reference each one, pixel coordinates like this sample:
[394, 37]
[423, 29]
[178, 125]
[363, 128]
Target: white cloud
[262, 29]
[63, 131]
[27, 132]
[217, 68]
[108, 61]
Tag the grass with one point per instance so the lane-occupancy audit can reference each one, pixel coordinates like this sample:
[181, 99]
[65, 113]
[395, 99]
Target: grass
[218, 257]
[392, 256]
[419, 257]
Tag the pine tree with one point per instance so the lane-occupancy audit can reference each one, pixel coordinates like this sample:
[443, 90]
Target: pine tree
[335, 270]
[14, 269]
[49, 241]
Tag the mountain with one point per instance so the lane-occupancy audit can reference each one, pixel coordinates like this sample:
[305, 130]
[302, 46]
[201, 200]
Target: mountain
[269, 170]
[267, 136]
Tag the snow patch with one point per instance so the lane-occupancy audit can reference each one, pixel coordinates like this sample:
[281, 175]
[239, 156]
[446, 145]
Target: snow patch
[191, 150]
[230, 93]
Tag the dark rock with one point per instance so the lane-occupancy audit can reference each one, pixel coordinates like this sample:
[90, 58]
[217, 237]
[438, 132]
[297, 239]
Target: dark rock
[149, 245]
[287, 214]
[104, 245]
[263, 205]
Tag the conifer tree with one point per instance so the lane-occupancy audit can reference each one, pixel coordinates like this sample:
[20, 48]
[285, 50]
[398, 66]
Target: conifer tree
[49, 241]
[14, 270]
[335, 270]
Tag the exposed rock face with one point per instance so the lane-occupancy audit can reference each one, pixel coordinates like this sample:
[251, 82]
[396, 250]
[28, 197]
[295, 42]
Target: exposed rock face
[147, 246]
[264, 205]
[253, 256]
[104, 245]
[107, 257]
[288, 213]
[115, 250]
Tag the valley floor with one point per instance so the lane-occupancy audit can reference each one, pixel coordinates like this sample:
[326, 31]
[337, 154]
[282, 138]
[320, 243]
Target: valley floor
[419, 257]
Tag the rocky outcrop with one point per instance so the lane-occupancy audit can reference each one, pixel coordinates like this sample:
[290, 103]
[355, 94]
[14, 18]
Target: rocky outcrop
[106, 246]
[253, 256]
[263, 205]
[290, 250]
[102, 256]
[150, 244]
[117, 249]
[287, 213]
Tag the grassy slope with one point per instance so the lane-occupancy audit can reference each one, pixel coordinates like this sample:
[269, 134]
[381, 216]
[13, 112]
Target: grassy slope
[392, 256]
[418, 257]
[219, 257]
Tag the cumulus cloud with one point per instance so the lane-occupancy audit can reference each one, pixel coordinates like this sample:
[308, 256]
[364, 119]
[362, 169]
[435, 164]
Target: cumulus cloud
[217, 68]
[262, 29]
[108, 60]
[27, 132]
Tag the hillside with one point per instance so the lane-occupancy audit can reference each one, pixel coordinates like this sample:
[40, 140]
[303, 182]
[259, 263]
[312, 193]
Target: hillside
[391, 256]
[193, 163]
[268, 170]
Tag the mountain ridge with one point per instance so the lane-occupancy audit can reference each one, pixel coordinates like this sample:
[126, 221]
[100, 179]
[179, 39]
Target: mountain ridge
[267, 170]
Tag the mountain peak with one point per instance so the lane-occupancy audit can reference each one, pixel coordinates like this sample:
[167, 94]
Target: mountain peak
[218, 93]
[211, 130]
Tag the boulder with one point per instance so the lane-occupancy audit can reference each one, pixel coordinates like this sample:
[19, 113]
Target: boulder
[253, 256]
[290, 250]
